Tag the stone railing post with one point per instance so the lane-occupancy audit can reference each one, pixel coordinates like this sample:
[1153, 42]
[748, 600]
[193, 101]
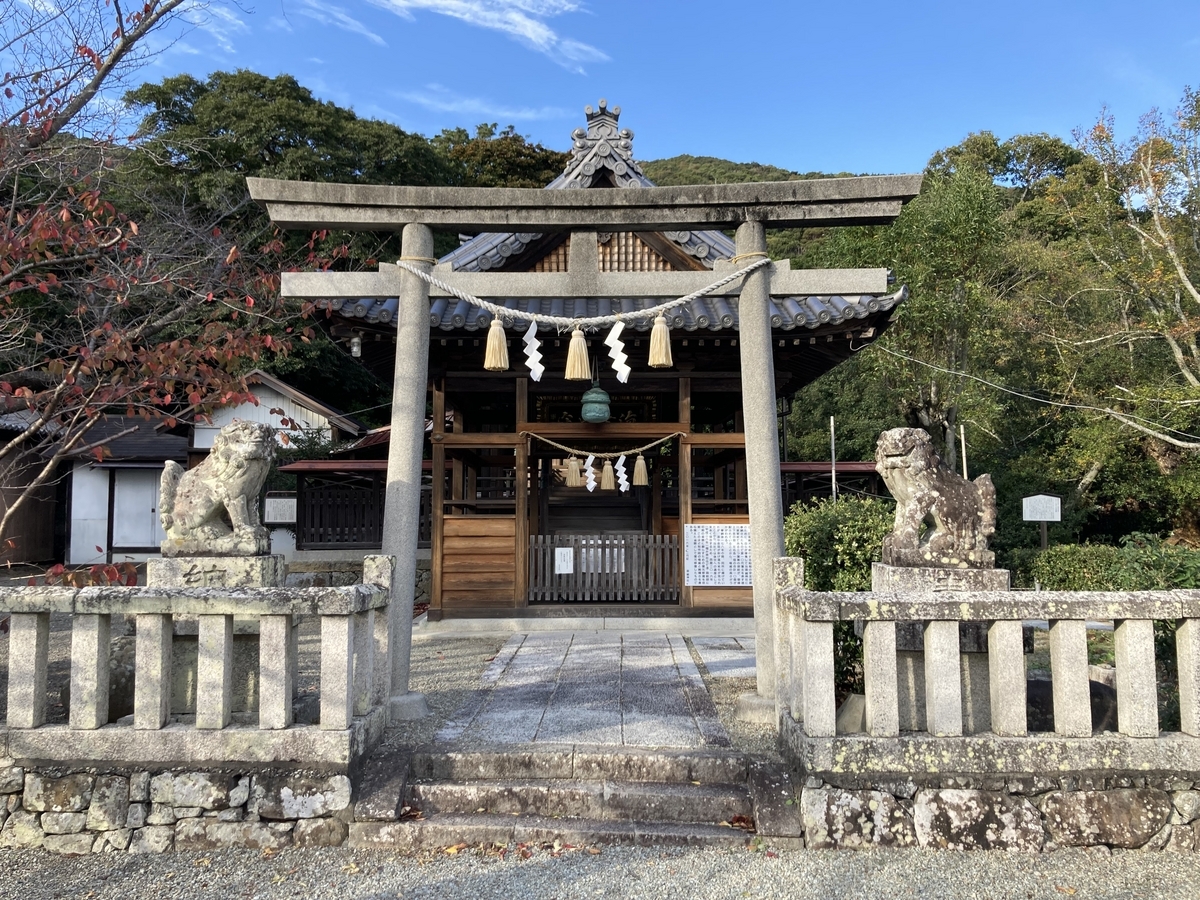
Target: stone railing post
[152, 672]
[788, 659]
[1069, 671]
[1006, 678]
[1187, 647]
[943, 680]
[820, 707]
[363, 631]
[380, 570]
[880, 681]
[214, 672]
[276, 671]
[28, 656]
[90, 638]
[1137, 691]
[337, 671]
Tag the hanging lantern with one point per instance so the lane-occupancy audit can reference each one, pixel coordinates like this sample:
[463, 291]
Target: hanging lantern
[596, 405]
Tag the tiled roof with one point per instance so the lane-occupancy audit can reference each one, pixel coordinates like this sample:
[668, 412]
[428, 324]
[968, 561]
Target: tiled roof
[145, 444]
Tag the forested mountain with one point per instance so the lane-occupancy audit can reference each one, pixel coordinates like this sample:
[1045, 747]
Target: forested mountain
[711, 170]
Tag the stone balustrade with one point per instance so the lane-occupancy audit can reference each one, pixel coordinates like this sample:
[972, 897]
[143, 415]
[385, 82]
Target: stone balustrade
[353, 681]
[808, 715]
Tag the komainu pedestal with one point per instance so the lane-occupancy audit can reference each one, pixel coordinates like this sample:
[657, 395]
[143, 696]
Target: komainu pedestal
[910, 641]
[217, 571]
[216, 540]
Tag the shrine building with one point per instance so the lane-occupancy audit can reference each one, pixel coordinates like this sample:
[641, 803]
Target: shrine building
[541, 491]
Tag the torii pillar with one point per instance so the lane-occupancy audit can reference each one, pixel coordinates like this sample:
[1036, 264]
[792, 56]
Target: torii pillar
[762, 467]
[403, 492]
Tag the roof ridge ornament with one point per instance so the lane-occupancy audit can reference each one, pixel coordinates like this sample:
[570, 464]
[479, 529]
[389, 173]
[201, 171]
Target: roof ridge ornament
[602, 146]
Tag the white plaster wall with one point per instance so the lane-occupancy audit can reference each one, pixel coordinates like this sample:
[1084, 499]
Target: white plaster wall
[89, 515]
[268, 399]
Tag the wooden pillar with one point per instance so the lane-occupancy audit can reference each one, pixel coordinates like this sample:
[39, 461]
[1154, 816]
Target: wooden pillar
[437, 495]
[762, 452]
[521, 491]
[685, 480]
[405, 449]
[457, 489]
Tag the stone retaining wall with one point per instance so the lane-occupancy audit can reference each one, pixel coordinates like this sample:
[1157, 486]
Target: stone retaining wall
[341, 573]
[143, 812]
[1028, 813]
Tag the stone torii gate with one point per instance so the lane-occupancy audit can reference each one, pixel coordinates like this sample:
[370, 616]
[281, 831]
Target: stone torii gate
[416, 211]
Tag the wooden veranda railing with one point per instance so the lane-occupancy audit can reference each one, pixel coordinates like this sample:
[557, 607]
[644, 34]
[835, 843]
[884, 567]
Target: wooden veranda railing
[604, 568]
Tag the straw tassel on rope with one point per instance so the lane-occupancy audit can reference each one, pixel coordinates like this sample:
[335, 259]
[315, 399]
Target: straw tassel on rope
[660, 345]
[574, 478]
[577, 358]
[641, 477]
[496, 358]
[608, 481]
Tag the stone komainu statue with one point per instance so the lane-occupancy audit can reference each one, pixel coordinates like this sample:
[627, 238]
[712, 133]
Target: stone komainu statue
[212, 510]
[961, 514]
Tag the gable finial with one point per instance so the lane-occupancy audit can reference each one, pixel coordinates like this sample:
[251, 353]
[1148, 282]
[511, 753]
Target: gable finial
[602, 145]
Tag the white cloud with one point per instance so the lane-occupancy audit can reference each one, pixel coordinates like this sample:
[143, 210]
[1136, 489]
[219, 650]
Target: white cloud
[328, 14]
[217, 22]
[522, 20]
[441, 99]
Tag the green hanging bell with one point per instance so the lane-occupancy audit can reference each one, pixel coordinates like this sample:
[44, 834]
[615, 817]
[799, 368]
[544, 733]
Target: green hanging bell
[596, 408]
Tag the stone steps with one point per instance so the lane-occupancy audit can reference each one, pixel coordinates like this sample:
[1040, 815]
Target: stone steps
[581, 763]
[573, 795]
[448, 830]
[577, 795]
[595, 800]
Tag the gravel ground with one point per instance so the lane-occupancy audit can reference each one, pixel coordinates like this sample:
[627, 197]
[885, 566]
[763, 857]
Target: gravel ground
[612, 872]
[758, 739]
[445, 670]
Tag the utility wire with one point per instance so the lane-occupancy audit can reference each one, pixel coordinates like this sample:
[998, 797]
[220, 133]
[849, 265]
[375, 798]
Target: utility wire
[1007, 390]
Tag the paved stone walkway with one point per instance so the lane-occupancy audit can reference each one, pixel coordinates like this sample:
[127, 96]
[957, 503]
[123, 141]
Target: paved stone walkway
[726, 657]
[636, 690]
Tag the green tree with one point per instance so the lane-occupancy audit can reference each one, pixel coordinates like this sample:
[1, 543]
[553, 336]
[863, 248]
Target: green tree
[495, 157]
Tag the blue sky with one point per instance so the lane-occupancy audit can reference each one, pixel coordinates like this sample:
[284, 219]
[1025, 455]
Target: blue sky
[856, 87]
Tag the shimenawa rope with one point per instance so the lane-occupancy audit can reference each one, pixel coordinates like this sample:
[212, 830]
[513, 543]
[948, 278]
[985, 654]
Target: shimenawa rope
[565, 322]
[573, 452]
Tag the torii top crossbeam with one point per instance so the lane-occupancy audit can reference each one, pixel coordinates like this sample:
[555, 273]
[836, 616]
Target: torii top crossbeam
[867, 200]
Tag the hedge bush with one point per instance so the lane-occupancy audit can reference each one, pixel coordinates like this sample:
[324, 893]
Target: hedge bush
[838, 541]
